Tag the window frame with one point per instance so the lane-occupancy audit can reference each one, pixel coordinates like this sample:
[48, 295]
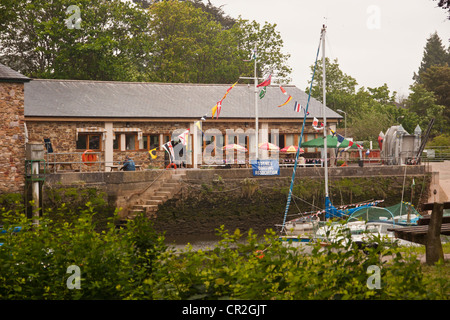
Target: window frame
[88, 136]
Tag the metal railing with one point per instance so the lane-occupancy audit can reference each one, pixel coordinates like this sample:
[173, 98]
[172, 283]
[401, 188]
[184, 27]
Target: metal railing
[72, 161]
[436, 153]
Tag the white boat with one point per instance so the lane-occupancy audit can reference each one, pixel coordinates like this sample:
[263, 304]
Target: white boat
[362, 233]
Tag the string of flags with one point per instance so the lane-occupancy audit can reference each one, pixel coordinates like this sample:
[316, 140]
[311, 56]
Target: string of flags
[341, 139]
[316, 125]
[216, 110]
[285, 93]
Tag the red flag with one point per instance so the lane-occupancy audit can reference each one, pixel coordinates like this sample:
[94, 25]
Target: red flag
[265, 83]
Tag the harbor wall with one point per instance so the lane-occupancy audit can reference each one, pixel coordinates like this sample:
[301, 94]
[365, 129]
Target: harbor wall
[209, 198]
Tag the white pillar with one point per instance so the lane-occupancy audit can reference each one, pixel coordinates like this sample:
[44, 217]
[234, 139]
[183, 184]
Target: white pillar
[109, 146]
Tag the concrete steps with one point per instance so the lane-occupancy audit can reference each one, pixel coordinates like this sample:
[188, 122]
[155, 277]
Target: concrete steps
[157, 195]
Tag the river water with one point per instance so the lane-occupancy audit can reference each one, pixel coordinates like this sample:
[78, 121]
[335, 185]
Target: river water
[198, 241]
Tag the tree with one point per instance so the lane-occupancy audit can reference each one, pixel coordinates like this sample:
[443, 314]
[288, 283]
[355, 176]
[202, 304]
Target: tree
[340, 87]
[434, 54]
[369, 110]
[107, 45]
[191, 46]
[268, 44]
[444, 4]
[423, 103]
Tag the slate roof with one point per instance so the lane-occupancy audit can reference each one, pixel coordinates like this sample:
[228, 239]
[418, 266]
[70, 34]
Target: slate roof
[105, 99]
[9, 75]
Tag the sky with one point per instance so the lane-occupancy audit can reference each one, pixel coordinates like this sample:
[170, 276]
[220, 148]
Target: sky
[375, 41]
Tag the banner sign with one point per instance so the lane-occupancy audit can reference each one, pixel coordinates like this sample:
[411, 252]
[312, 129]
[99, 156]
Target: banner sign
[265, 167]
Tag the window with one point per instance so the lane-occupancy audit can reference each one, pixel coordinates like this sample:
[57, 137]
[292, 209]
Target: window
[116, 143]
[89, 141]
[151, 141]
[131, 142]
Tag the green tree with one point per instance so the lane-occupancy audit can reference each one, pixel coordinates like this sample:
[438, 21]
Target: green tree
[108, 44]
[340, 87]
[434, 54]
[423, 103]
[191, 46]
[268, 43]
[436, 79]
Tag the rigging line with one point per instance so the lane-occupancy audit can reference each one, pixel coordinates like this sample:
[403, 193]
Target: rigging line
[403, 191]
[311, 204]
[301, 136]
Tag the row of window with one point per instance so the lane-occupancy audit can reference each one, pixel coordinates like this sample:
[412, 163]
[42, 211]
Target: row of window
[93, 141]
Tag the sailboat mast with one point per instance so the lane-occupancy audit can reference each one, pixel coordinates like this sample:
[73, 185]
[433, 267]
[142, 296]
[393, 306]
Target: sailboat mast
[324, 115]
[256, 111]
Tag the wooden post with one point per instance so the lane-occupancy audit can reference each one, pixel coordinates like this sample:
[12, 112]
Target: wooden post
[433, 247]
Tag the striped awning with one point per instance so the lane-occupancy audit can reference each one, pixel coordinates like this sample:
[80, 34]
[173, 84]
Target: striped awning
[92, 130]
[137, 130]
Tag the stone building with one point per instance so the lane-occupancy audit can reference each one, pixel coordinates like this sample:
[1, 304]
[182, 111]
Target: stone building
[12, 130]
[117, 119]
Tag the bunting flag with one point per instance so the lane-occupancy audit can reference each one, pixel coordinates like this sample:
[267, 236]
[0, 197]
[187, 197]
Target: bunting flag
[350, 144]
[153, 153]
[169, 148]
[297, 107]
[340, 139]
[213, 111]
[184, 137]
[266, 82]
[228, 90]
[218, 107]
[316, 124]
[304, 111]
[288, 99]
[262, 93]
[198, 124]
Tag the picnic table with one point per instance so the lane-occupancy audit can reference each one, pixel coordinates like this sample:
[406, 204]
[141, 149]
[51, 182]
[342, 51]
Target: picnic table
[428, 231]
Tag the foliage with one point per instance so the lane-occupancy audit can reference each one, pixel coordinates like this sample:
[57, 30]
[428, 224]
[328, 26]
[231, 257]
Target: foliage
[168, 41]
[434, 54]
[105, 46]
[132, 262]
[423, 103]
[369, 110]
[35, 261]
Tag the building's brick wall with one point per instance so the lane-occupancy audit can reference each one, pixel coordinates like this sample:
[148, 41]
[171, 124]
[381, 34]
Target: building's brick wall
[12, 142]
[62, 135]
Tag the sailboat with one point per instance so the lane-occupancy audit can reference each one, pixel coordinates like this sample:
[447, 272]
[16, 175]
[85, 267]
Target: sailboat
[301, 230]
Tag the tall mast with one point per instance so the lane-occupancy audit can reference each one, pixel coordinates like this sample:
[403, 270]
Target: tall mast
[324, 115]
[256, 111]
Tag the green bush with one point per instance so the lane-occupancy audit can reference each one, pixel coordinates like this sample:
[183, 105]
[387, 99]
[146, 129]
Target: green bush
[132, 262]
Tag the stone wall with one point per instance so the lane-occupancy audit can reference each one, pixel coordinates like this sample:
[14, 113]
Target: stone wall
[62, 135]
[12, 142]
[234, 198]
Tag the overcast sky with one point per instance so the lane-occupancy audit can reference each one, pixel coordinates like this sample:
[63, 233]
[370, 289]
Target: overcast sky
[375, 41]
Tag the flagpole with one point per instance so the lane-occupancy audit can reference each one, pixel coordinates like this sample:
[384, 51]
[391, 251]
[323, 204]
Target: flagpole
[255, 79]
[325, 145]
[256, 110]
